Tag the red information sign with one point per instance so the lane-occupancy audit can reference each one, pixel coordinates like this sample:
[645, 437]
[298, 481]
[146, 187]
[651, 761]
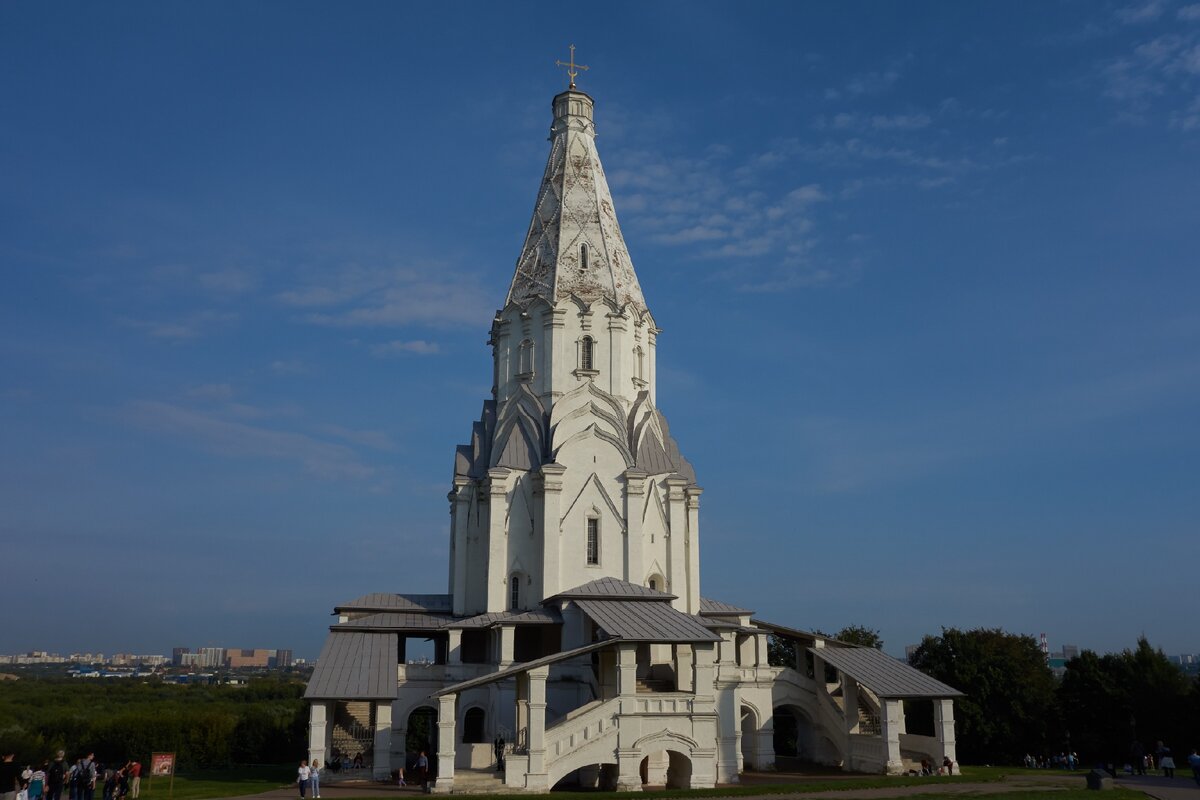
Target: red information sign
[162, 764]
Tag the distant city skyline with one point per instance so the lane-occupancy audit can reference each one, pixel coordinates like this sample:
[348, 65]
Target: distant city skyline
[925, 274]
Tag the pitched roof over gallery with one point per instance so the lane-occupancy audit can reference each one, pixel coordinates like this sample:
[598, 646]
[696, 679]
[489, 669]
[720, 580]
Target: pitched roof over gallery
[610, 589]
[574, 245]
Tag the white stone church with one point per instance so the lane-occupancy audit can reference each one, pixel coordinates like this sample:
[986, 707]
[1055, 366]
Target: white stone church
[574, 627]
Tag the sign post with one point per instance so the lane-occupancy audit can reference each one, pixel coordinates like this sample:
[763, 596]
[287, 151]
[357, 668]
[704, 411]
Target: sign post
[162, 765]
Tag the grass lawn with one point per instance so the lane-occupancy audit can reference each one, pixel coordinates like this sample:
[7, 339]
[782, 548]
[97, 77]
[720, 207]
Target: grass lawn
[232, 782]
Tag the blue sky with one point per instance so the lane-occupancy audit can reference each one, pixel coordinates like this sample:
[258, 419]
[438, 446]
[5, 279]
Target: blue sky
[927, 274]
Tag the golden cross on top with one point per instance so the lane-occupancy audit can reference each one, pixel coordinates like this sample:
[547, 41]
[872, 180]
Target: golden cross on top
[572, 67]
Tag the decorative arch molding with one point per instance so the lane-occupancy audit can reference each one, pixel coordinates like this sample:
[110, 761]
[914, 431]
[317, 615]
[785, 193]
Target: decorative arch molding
[594, 432]
[594, 480]
[667, 737]
[758, 717]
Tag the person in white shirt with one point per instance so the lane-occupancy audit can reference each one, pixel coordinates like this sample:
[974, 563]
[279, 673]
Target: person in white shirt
[303, 775]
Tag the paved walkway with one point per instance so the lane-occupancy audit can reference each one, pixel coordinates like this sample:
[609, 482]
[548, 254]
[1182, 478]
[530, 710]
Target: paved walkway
[1181, 788]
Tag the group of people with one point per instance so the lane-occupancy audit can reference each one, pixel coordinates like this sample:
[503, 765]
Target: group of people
[1065, 760]
[49, 780]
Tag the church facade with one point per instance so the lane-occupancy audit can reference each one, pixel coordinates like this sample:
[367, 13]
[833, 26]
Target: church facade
[573, 641]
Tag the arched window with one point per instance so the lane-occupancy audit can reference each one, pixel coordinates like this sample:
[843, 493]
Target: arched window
[525, 358]
[514, 592]
[586, 353]
[654, 584]
[583, 257]
[473, 732]
[593, 541]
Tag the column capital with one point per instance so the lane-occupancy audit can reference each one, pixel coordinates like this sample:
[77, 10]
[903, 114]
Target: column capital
[635, 481]
[497, 481]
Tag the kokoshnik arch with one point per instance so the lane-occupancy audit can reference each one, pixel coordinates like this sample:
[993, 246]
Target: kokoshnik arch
[574, 626]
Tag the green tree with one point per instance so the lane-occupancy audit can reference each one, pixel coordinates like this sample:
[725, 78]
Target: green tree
[860, 635]
[1010, 705]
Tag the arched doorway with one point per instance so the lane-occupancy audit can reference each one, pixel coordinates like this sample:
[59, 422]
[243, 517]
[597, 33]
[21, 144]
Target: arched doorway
[668, 768]
[473, 726]
[798, 741]
[420, 735]
[749, 739]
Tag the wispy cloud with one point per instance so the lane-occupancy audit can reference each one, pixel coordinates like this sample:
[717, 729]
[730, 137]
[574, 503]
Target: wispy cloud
[184, 327]
[1140, 13]
[845, 121]
[1158, 78]
[399, 347]
[212, 433]
[353, 295]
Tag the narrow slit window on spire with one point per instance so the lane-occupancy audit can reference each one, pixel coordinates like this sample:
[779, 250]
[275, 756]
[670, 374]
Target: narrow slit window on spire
[593, 541]
[514, 592]
[583, 257]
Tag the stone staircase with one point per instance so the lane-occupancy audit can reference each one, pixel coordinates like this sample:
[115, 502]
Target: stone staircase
[482, 781]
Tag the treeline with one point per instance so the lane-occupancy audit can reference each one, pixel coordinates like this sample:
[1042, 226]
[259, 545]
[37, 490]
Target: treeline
[1014, 704]
[263, 722]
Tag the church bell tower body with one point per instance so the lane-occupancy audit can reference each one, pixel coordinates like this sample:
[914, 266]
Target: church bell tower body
[571, 473]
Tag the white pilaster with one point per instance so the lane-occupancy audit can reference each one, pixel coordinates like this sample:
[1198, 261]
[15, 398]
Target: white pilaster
[892, 720]
[537, 779]
[381, 765]
[943, 728]
[677, 562]
[497, 569]
[319, 714]
[693, 549]
[447, 712]
[635, 493]
[550, 489]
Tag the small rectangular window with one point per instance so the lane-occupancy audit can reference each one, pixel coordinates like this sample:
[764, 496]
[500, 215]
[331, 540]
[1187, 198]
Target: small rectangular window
[593, 541]
[514, 600]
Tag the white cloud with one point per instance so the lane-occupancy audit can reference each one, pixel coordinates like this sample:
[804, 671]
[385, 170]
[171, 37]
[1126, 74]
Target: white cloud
[397, 347]
[1158, 78]
[188, 326]
[232, 439]
[356, 296]
[1189, 13]
[1140, 13]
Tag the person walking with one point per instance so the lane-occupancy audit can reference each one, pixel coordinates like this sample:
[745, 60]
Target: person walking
[10, 775]
[56, 776]
[1194, 763]
[314, 777]
[303, 775]
[37, 783]
[87, 777]
[1165, 762]
[134, 771]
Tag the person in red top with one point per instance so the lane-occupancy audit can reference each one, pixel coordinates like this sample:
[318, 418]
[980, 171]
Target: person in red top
[134, 772]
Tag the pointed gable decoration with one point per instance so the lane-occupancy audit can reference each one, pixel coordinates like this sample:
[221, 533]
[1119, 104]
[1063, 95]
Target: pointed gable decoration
[574, 246]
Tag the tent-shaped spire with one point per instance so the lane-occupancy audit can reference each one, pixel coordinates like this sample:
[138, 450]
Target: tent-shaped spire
[574, 245]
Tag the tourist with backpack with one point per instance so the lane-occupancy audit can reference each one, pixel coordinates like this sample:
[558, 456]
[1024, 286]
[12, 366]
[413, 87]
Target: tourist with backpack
[56, 776]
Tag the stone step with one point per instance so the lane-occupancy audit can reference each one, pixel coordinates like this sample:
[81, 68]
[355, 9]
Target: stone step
[479, 781]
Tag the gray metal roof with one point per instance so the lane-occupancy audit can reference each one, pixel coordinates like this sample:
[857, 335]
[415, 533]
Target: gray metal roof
[611, 589]
[519, 668]
[537, 616]
[394, 621]
[390, 601]
[794, 633]
[717, 608]
[639, 621]
[882, 674]
[355, 665]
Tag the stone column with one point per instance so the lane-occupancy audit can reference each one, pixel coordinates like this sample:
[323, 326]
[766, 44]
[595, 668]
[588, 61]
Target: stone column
[635, 494]
[506, 636]
[652, 366]
[548, 485]
[460, 513]
[556, 354]
[319, 722]
[453, 646]
[683, 668]
[447, 712]
[704, 674]
[608, 673]
[943, 729]
[626, 669]
[381, 766]
[677, 563]
[497, 564]
[892, 720]
[850, 702]
[763, 658]
[537, 779]
[693, 549]
[618, 379]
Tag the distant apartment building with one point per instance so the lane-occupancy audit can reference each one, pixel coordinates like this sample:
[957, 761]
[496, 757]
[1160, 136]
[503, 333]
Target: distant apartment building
[231, 658]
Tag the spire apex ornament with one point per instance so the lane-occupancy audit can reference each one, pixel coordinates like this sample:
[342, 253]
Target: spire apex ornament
[572, 68]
